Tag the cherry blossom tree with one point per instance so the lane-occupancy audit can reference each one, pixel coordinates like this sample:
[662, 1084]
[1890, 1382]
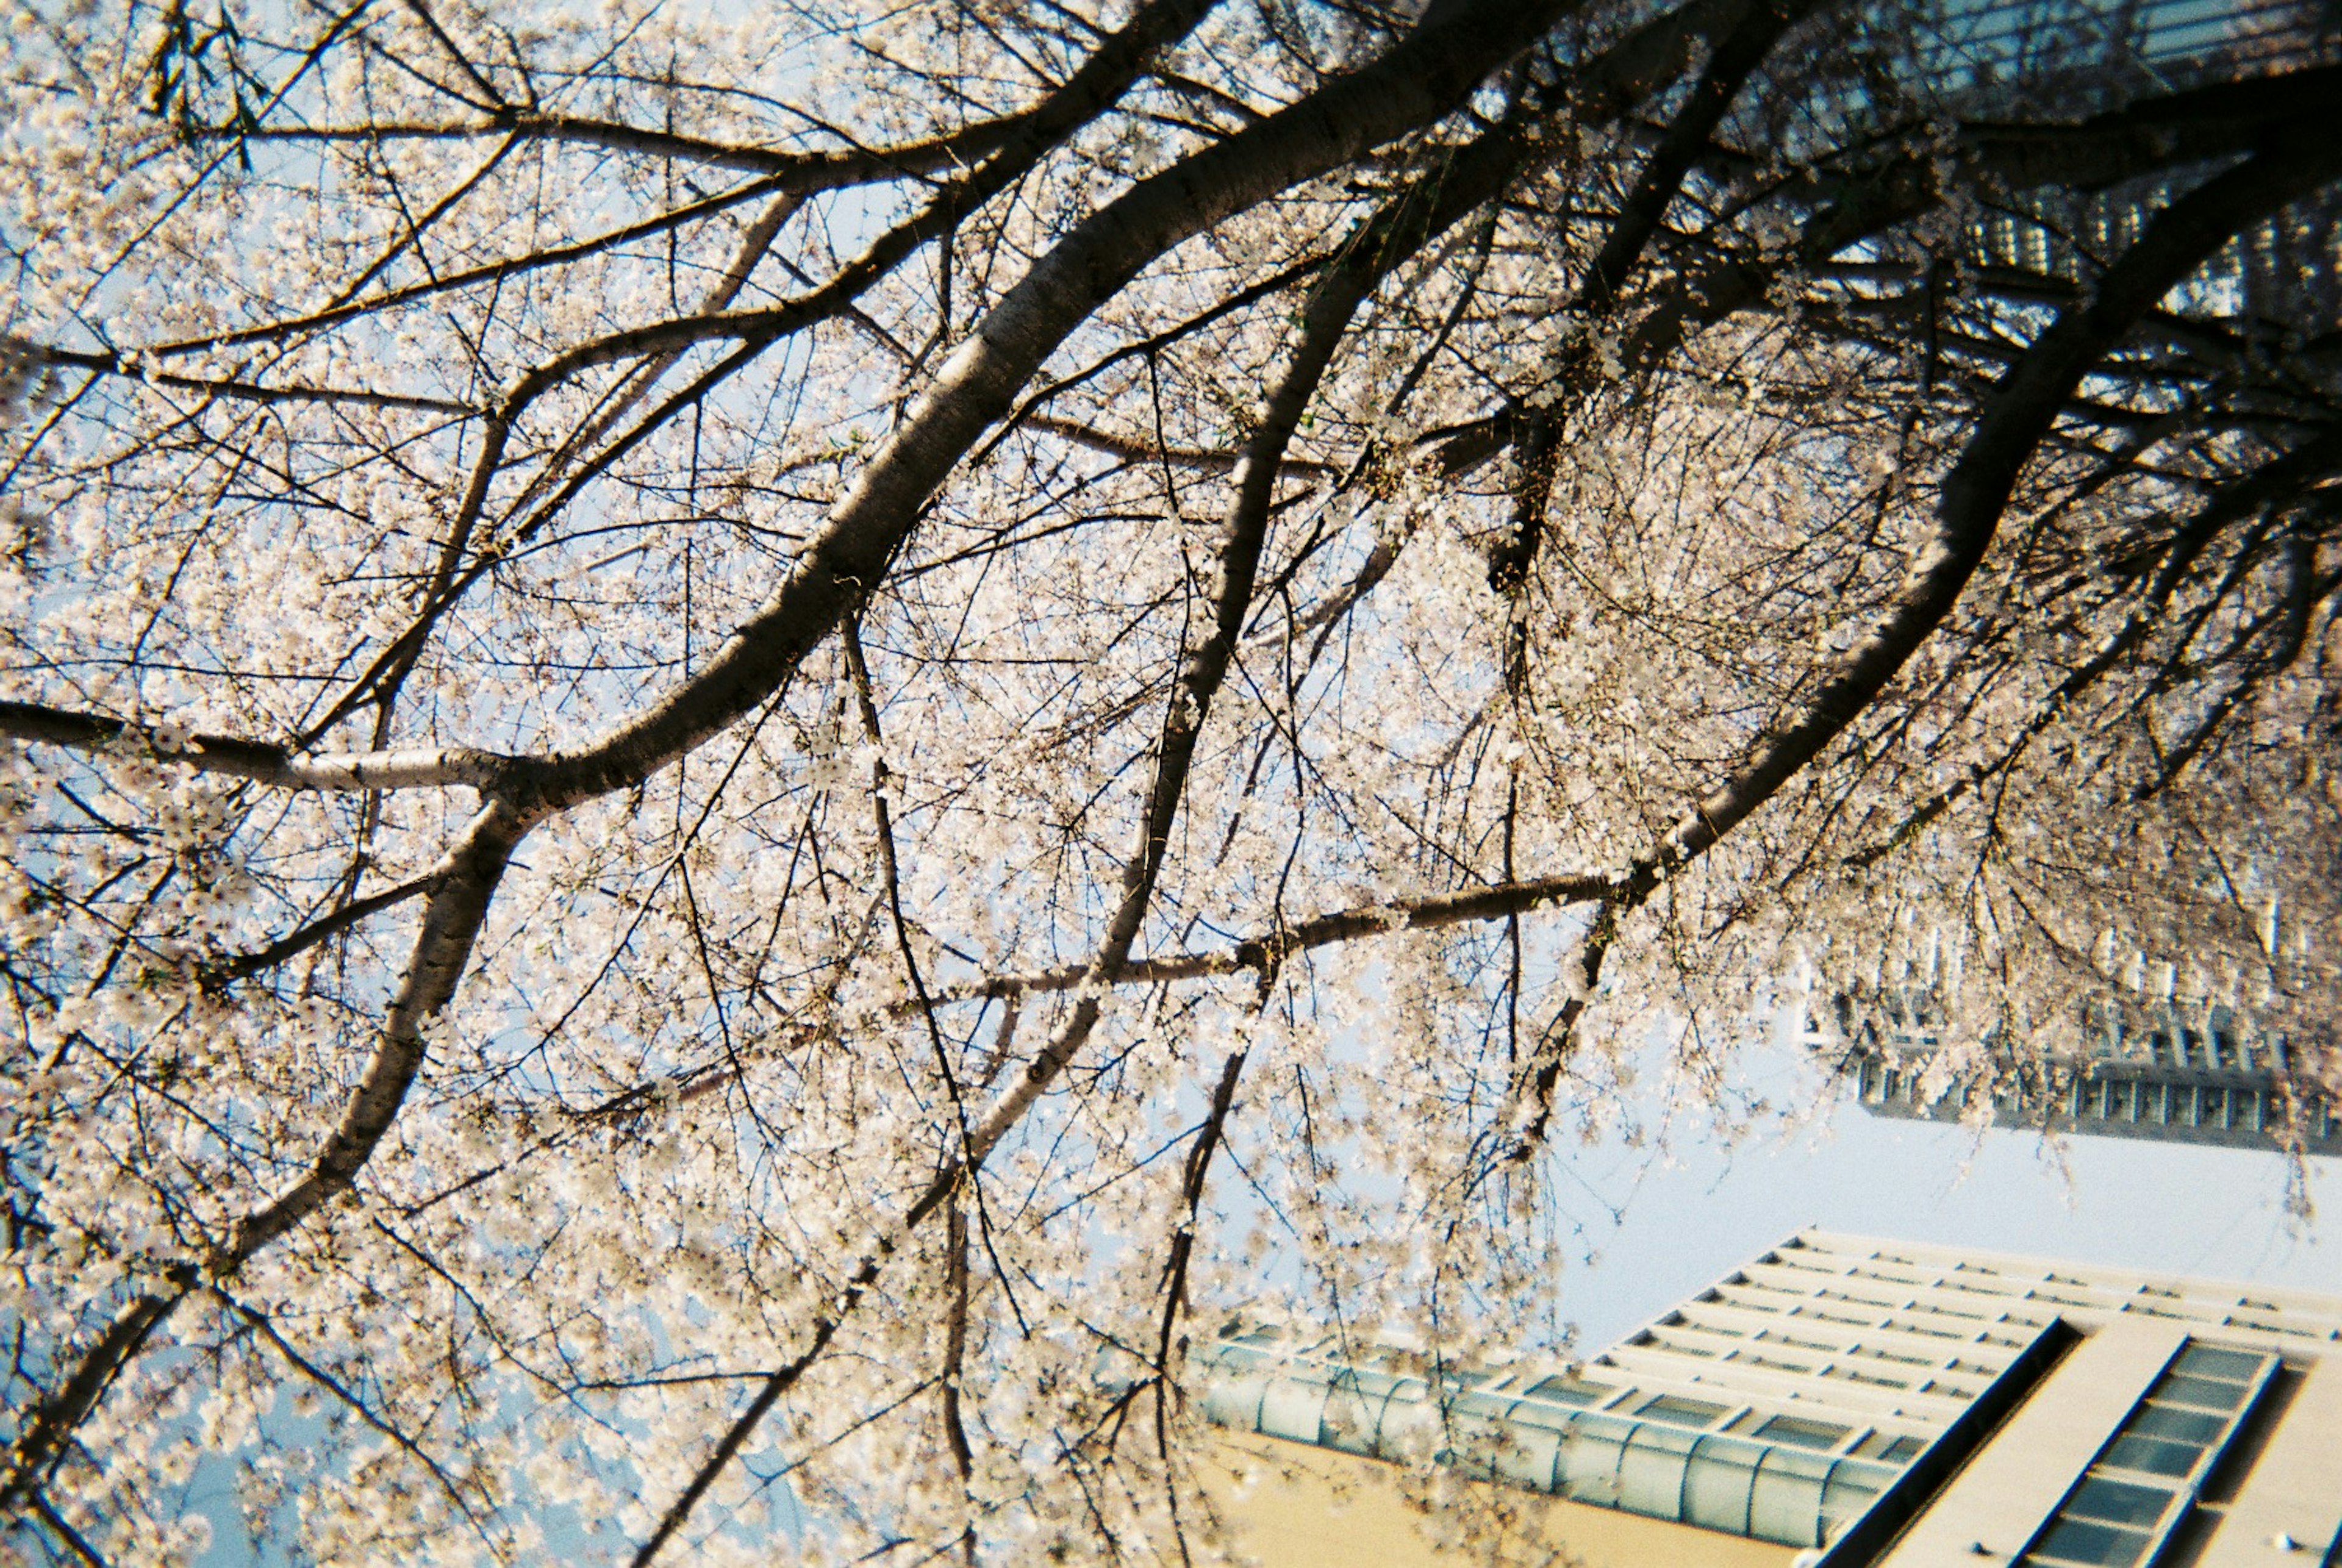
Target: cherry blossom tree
[740, 744]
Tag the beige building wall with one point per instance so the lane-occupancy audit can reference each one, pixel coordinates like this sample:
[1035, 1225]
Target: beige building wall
[2293, 1488]
[2016, 1479]
[1886, 1343]
[1295, 1506]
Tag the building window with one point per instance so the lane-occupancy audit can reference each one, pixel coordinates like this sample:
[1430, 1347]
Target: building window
[1852, 1375]
[1775, 1363]
[1567, 1391]
[1801, 1432]
[2144, 1480]
[1681, 1412]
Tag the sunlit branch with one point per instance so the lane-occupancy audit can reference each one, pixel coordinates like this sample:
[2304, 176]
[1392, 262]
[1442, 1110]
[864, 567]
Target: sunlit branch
[2023, 406]
[140, 369]
[827, 169]
[977, 383]
[279, 766]
[864, 547]
[292, 945]
[1471, 40]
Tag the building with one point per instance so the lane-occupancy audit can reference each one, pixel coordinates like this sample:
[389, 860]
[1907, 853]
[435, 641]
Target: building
[2144, 1068]
[1838, 1403]
[1993, 59]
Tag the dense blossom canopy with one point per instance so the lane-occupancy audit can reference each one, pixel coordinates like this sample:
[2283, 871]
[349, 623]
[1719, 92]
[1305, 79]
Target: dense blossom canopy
[742, 746]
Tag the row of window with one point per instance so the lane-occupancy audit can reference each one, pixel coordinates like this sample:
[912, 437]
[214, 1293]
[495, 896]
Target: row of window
[2179, 1037]
[2024, 1281]
[2144, 1480]
[1877, 1331]
[1907, 1315]
[1768, 1474]
[1847, 1365]
[2169, 1037]
[2217, 1050]
[1797, 1431]
[2130, 1102]
[2093, 1295]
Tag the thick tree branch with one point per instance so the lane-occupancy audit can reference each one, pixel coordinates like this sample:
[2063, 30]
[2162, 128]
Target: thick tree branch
[1472, 39]
[828, 169]
[2172, 131]
[280, 766]
[451, 922]
[1101, 79]
[1415, 83]
[2018, 416]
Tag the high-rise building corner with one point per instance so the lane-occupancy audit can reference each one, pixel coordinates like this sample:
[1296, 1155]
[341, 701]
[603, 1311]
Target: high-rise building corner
[1837, 1403]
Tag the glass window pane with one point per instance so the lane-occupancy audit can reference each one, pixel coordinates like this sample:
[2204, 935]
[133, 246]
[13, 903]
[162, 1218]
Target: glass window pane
[1717, 1485]
[1588, 1468]
[2228, 1365]
[2200, 1392]
[1472, 1445]
[1292, 1408]
[1801, 1432]
[1235, 1401]
[1489, 1404]
[1651, 1473]
[2114, 1502]
[1850, 1490]
[1411, 1429]
[1527, 1457]
[1347, 1421]
[1890, 1447]
[1787, 1504]
[2152, 1455]
[2100, 1545]
[1365, 1382]
[1682, 1412]
[1566, 1391]
[1536, 1413]
[2179, 1425]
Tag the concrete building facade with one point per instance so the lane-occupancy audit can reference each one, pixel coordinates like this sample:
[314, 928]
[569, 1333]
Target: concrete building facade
[1837, 1403]
[2144, 1069]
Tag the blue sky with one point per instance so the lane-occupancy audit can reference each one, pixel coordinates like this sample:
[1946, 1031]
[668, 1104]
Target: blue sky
[1688, 1217]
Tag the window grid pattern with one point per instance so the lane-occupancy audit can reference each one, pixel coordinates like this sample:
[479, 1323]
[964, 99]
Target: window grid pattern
[1723, 1465]
[2143, 1068]
[2269, 1319]
[2147, 1478]
[2110, 1099]
[1967, 47]
[1779, 1404]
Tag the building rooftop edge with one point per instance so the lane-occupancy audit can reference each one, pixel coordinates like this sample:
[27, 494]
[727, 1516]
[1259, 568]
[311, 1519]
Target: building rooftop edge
[2158, 1276]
